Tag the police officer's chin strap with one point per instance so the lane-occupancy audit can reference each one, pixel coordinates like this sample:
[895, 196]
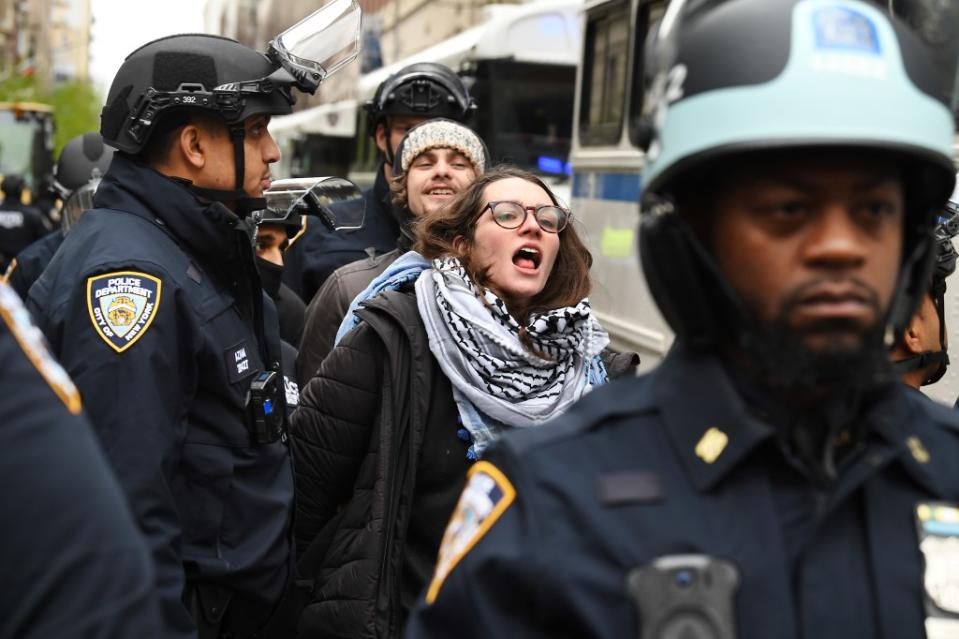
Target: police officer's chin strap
[243, 203]
[922, 361]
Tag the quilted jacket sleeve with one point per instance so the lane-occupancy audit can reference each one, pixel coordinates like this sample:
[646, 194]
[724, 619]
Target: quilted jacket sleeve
[332, 427]
[323, 317]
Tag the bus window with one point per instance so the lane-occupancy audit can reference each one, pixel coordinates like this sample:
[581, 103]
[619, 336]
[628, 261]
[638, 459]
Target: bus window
[605, 57]
[648, 17]
[526, 113]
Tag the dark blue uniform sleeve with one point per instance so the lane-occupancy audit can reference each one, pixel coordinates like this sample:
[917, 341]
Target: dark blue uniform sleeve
[489, 578]
[135, 390]
[74, 564]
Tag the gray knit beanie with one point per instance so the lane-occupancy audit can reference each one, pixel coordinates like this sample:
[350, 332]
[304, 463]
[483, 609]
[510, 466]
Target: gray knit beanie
[440, 133]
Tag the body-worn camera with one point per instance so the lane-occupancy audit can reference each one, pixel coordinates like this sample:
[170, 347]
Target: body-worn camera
[266, 408]
[685, 597]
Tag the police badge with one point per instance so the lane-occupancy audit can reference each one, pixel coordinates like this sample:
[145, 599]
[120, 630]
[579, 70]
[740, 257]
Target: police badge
[487, 495]
[122, 306]
[938, 526]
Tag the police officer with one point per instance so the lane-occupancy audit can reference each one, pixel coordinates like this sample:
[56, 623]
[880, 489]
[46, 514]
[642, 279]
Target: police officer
[155, 308]
[921, 357]
[272, 238]
[771, 478]
[74, 563]
[413, 94]
[83, 162]
[20, 224]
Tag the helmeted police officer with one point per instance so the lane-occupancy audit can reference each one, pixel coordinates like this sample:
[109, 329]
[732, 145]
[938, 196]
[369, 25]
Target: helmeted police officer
[83, 161]
[155, 308]
[74, 563]
[922, 355]
[20, 224]
[412, 95]
[771, 478]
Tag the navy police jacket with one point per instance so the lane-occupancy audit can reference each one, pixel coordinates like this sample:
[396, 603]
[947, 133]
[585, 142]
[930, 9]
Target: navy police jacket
[154, 307]
[74, 563]
[318, 251]
[585, 527]
[26, 267]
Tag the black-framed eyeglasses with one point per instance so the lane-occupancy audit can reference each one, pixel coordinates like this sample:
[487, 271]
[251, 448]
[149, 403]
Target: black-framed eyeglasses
[512, 215]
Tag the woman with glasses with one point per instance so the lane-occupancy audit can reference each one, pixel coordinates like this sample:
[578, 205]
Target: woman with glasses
[486, 328]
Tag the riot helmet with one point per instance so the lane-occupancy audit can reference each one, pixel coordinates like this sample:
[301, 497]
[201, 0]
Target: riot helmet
[84, 158]
[790, 74]
[947, 227]
[423, 89]
[168, 78]
[336, 201]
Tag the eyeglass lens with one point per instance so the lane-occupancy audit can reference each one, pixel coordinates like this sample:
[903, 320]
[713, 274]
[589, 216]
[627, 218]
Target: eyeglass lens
[511, 215]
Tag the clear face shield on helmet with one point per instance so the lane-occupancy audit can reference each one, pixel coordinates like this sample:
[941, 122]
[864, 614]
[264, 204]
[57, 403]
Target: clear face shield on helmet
[335, 201]
[320, 44]
[77, 202]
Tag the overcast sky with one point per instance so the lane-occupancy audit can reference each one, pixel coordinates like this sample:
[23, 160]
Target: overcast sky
[120, 26]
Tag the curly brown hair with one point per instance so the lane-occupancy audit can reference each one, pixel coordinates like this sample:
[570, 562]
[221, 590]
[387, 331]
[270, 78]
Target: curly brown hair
[442, 232]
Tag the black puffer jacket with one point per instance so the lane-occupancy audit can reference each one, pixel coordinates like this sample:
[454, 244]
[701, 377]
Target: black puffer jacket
[379, 468]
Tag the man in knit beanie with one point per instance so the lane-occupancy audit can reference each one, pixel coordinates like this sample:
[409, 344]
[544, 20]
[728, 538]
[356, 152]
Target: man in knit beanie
[435, 160]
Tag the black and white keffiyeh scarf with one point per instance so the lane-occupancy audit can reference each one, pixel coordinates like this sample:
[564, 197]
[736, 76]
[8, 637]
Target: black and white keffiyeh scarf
[477, 346]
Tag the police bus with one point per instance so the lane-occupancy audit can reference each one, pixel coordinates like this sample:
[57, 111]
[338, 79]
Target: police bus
[606, 161]
[519, 63]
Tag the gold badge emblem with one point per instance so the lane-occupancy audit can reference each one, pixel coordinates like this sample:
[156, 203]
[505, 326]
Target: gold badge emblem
[919, 452]
[712, 445]
[122, 306]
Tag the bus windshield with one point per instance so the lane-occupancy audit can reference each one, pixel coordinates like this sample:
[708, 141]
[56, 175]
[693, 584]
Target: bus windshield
[21, 140]
[526, 113]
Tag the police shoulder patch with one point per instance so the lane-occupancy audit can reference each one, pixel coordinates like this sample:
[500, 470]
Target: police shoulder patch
[487, 495]
[31, 341]
[122, 305]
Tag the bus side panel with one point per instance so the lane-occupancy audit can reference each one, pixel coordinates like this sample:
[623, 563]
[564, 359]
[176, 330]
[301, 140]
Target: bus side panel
[606, 205]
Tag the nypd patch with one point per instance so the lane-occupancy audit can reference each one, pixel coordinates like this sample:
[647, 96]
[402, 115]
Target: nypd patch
[31, 341]
[122, 306]
[487, 495]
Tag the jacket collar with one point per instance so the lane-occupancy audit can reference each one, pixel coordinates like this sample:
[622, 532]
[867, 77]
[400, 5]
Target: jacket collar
[712, 431]
[209, 229]
[922, 438]
[708, 424]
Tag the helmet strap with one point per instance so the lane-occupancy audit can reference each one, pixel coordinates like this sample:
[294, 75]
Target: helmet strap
[244, 204]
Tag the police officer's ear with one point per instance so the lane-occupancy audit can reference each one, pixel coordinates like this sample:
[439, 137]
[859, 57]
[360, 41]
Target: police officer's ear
[194, 145]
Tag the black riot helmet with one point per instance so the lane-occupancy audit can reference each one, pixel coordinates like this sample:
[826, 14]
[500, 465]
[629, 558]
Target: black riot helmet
[84, 158]
[730, 78]
[944, 265]
[83, 161]
[424, 89]
[168, 78]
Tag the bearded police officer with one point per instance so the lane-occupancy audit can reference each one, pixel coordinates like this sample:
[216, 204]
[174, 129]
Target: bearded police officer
[771, 478]
[410, 96]
[154, 306]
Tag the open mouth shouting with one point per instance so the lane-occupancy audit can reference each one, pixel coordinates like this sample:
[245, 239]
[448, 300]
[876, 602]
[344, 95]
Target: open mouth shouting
[528, 258]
